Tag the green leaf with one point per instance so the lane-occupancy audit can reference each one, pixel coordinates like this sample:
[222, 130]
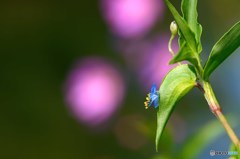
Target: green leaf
[186, 32]
[227, 44]
[189, 10]
[187, 38]
[176, 84]
[184, 54]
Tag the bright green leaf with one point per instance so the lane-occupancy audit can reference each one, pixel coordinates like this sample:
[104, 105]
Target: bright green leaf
[184, 54]
[176, 84]
[199, 32]
[188, 45]
[227, 44]
[189, 10]
[186, 32]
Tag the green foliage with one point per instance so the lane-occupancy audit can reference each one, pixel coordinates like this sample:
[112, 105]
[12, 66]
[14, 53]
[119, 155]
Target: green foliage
[183, 78]
[185, 53]
[176, 84]
[188, 44]
[227, 44]
[189, 10]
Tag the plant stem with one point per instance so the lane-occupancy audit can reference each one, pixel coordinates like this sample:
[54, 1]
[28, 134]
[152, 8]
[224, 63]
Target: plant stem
[170, 47]
[216, 109]
[228, 128]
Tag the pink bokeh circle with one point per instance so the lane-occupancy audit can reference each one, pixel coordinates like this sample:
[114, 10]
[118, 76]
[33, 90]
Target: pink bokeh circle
[94, 90]
[131, 18]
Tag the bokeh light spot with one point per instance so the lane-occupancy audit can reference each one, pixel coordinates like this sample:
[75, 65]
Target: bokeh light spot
[94, 91]
[131, 18]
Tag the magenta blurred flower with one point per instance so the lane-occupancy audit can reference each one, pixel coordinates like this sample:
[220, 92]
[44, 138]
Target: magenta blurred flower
[131, 18]
[94, 90]
[155, 61]
[151, 58]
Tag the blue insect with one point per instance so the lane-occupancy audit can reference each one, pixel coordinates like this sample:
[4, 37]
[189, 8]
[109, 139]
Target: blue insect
[152, 98]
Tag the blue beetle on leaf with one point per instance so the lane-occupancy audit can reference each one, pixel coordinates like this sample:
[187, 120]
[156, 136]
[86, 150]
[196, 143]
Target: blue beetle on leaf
[152, 98]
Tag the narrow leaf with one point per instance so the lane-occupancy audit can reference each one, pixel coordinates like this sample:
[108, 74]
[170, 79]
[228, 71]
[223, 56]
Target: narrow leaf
[176, 84]
[227, 44]
[189, 10]
[186, 32]
[184, 54]
[198, 37]
[188, 45]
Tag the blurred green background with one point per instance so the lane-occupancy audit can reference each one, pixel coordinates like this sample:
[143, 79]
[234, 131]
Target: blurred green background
[39, 43]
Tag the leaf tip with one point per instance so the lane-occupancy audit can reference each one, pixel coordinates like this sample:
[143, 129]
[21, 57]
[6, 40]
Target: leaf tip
[171, 62]
[157, 142]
